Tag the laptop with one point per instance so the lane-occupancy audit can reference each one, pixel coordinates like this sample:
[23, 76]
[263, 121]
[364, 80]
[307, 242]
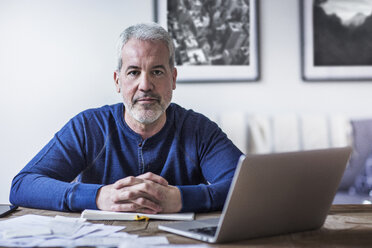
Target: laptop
[273, 194]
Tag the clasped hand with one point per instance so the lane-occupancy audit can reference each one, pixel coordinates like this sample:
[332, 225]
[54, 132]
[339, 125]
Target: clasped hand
[146, 193]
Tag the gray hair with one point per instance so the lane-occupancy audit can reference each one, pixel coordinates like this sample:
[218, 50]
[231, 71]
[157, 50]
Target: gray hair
[145, 32]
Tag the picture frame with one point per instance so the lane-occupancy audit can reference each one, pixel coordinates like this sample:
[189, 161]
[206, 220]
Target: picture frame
[336, 45]
[214, 43]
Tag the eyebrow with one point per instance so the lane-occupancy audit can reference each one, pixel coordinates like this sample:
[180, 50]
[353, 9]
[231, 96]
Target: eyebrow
[130, 67]
[159, 67]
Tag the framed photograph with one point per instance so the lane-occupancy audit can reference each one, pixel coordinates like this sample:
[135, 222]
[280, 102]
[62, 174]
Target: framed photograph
[336, 39]
[215, 40]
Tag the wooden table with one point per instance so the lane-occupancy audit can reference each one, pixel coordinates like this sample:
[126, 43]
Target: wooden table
[346, 226]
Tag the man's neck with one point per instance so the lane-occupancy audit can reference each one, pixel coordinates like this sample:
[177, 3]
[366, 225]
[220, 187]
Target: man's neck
[145, 130]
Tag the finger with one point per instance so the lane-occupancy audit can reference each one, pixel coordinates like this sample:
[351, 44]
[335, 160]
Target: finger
[153, 177]
[146, 211]
[127, 181]
[132, 194]
[145, 203]
[140, 204]
[149, 189]
[125, 195]
[125, 207]
[131, 207]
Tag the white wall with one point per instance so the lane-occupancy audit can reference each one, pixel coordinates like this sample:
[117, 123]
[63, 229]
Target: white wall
[57, 59]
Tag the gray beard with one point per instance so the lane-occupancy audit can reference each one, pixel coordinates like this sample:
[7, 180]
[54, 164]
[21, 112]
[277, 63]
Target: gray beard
[146, 115]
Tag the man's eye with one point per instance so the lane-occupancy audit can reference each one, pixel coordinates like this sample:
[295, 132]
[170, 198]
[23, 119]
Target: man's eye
[133, 73]
[157, 72]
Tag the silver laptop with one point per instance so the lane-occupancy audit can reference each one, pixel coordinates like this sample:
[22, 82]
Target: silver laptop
[273, 194]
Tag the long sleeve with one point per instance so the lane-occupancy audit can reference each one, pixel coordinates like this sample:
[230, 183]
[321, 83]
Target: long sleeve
[217, 158]
[47, 180]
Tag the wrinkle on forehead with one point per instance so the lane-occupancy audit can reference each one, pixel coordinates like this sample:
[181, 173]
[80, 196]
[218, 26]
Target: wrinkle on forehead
[139, 52]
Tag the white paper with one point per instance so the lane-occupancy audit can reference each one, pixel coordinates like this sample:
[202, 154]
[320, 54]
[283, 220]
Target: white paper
[105, 231]
[143, 242]
[26, 232]
[153, 240]
[35, 230]
[42, 231]
[130, 245]
[20, 242]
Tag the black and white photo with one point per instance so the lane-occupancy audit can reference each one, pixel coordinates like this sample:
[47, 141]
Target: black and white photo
[215, 40]
[337, 37]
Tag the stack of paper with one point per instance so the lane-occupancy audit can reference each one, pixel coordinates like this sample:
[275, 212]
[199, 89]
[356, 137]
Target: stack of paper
[42, 231]
[108, 215]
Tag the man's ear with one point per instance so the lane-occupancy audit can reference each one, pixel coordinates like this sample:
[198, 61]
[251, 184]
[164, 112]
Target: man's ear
[174, 78]
[117, 81]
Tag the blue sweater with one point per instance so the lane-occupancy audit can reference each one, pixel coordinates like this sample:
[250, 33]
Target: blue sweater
[97, 148]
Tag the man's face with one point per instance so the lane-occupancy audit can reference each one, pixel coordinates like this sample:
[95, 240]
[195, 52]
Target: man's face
[145, 80]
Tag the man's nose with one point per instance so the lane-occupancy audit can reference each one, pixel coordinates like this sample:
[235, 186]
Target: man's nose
[145, 83]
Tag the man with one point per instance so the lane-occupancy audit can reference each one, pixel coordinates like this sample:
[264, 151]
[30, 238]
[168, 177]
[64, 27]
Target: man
[146, 155]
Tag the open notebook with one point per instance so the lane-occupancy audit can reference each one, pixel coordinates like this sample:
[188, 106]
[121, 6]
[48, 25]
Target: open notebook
[108, 215]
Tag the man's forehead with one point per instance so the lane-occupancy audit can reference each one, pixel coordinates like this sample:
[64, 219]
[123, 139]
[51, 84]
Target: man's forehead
[151, 45]
[154, 52]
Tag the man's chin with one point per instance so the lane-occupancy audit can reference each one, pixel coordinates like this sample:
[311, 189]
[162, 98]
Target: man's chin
[148, 106]
[147, 116]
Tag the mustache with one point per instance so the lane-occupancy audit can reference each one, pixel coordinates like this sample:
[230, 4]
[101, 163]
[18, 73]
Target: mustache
[146, 95]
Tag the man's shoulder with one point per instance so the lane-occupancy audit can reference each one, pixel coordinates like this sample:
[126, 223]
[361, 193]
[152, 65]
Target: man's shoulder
[99, 114]
[189, 116]
[181, 112]
[103, 110]
[93, 120]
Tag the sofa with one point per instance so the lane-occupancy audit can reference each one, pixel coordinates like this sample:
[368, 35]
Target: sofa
[268, 133]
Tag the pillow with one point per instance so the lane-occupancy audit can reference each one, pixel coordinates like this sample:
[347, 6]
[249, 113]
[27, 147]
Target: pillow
[363, 182]
[362, 148]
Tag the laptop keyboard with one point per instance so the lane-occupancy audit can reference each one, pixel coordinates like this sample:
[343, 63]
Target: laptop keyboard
[209, 230]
